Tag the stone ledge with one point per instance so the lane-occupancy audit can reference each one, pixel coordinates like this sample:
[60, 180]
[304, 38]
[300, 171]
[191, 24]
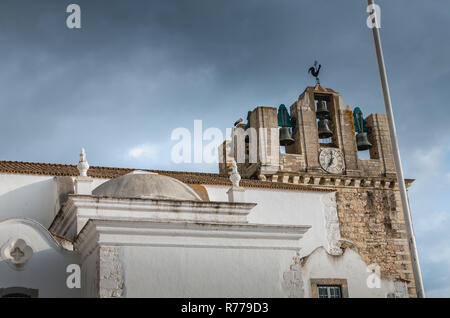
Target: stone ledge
[334, 181]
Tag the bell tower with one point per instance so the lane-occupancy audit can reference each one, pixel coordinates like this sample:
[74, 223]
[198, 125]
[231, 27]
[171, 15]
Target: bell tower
[325, 122]
[315, 144]
[320, 137]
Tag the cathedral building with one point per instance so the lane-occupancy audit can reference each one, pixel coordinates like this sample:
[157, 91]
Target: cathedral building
[293, 212]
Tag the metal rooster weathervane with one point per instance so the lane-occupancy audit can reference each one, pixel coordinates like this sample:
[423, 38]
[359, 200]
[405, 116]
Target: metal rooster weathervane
[314, 71]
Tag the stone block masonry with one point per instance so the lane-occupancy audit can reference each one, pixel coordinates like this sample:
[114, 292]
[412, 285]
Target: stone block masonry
[373, 221]
[111, 279]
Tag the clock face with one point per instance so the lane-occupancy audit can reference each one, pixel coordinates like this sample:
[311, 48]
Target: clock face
[331, 160]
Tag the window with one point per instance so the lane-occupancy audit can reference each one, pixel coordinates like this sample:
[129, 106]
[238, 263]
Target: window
[18, 292]
[329, 288]
[329, 291]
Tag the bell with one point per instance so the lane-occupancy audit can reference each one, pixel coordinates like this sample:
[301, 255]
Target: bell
[321, 108]
[285, 137]
[362, 142]
[324, 130]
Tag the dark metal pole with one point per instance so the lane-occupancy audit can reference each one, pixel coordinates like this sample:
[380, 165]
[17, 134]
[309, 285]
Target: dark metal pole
[398, 164]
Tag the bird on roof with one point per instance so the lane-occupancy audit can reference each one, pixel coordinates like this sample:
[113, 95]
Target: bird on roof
[240, 120]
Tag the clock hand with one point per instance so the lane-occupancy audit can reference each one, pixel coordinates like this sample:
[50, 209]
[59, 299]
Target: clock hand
[330, 162]
[331, 159]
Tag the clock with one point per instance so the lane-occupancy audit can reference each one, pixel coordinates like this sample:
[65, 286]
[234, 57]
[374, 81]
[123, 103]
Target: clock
[331, 160]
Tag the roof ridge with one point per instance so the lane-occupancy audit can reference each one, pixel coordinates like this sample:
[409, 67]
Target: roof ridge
[55, 169]
[106, 168]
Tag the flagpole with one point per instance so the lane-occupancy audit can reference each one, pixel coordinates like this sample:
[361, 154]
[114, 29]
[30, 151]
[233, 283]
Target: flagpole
[398, 165]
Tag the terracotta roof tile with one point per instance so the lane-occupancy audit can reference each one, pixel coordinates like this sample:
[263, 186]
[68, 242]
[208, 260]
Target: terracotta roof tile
[49, 169]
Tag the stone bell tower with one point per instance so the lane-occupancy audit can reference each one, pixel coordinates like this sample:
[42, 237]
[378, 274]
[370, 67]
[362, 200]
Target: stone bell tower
[307, 144]
[302, 157]
[322, 152]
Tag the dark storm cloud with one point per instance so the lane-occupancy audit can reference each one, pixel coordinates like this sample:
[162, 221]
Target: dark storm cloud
[138, 69]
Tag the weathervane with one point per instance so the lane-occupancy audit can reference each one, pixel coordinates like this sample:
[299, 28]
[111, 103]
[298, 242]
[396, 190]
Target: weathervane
[314, 71]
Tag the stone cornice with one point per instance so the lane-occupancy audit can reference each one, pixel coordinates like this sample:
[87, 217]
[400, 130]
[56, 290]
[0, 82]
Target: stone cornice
[187, 234]
[147, 204]
[329, 181]
[78, 209]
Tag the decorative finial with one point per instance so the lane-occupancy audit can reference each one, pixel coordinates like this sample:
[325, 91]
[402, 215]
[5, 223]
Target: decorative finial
[83, 165]
[314, 71]
[235, 177]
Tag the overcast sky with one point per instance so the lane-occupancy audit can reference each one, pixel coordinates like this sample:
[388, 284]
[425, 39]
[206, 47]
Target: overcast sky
[138, 69]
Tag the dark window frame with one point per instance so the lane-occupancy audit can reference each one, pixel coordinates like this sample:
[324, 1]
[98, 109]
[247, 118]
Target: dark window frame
[317, 282]
[331, 291]
[19, 292]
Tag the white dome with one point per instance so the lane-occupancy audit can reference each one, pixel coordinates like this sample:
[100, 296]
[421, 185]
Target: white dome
[141, 184]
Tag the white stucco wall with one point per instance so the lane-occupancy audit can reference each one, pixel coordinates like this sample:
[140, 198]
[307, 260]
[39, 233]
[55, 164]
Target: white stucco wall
[35, 197]
[27, 196]
[308, 208]
[350, 266]
[284, 207]
[46, 269]
[30, 196]
[204, 272]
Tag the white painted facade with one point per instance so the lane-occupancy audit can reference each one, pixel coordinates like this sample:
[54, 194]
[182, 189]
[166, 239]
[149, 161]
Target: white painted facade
[45, 270]
[271, 245]
[28, 196]
[275, 206]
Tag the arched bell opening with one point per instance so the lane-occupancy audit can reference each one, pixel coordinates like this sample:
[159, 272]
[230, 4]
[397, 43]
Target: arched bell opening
[362, 132]
[285, 131]
[324, 120]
